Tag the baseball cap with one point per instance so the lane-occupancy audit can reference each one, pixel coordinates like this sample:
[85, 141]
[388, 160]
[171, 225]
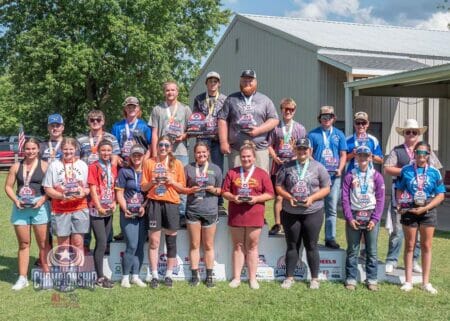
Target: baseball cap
[302, 142]
[55, 119]
[326, 110]
[363, 150]
[361, 115]
[137, 149]
[248, 73]
[131, 101]
[212, 74]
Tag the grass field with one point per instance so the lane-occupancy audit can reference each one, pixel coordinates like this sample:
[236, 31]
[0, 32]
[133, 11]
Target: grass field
[330, 302]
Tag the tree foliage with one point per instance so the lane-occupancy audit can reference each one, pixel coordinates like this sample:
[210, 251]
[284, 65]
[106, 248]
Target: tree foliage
[71, 56]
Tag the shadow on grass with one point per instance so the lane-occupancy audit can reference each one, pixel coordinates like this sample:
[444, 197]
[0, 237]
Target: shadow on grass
[8, 268]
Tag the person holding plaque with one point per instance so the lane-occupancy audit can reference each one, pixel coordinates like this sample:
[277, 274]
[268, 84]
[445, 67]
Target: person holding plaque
[303, 184]
[65, 183]
[30, 208]
[163, 180]
[282, 142]
[247, 188]
[204, 181]
[102, 204]
[363, 203]
[425, 184]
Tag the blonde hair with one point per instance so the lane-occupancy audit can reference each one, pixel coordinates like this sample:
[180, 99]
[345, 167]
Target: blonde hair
[287, 102]
[248, 145]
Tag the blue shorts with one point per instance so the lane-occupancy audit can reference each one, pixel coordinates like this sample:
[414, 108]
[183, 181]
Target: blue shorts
[31, 216]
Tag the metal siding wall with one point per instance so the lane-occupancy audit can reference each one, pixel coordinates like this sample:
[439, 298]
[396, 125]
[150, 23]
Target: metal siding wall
[331, 88]
[444, 132]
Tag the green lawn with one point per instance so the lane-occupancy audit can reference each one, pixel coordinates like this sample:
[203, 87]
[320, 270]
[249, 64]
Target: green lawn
[330, 302]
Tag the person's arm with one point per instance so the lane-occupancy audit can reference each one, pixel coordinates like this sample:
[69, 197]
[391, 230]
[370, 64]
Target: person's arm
[223, 136]
[346, 190]
[9, 185]
[342, 162]
[392, 170]
[380, 198]
[265, 127]
[154, 145]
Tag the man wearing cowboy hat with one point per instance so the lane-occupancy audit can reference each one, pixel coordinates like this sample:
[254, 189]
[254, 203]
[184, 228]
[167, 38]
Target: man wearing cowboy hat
[400, 156]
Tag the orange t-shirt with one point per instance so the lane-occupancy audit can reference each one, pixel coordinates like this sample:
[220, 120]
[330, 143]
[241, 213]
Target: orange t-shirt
[177, 174]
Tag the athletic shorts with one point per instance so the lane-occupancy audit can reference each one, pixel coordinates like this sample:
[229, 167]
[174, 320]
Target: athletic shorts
[204, 220]
[412, 220]
[70, 223]
[163, 215]
[31, 216]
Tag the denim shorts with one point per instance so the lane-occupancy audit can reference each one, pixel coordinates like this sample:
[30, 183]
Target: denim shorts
[31, 216]
[429, 219]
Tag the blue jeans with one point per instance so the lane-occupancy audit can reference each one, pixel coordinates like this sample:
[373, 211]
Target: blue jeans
[135, 233]
[351, 263]
[331, 202]
[396, 240]
[184, 159]
[216, 157]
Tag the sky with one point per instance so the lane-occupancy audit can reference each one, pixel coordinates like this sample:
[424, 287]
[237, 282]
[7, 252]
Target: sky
[408, 13]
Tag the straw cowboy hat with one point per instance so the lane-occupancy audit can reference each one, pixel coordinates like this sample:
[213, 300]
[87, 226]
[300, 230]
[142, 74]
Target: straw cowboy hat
[411, 124]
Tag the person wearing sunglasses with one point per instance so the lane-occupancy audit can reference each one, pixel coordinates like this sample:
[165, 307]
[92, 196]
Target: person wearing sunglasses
[51, 150]
[329, 147]
[362, 138]
[163, 180]
[402, 155]
[282, 142]
[424, 184]
[209, 104]
[363, 195]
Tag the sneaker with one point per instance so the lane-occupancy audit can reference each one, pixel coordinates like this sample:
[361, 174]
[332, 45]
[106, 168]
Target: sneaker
[416, 267]
[222, 211]
[287, 283]
[254, 285]
[276, 228]
[168, 282]
[104, 283]
[389, 268]
[194, 281]
[209, 282]
[372, 287]
[154, 283]
[148, 278]
[429, 288]
[119, 237]
[234, 283]
[138, 282]
[350, 287]
[21, 283]
[125, 282]
[332, 244]
[406, 287]
[314, 285]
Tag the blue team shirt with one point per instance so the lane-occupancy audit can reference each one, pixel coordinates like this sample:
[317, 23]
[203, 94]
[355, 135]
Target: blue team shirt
[337, 143]
[433, 183]
[142, 134]
[370, 141]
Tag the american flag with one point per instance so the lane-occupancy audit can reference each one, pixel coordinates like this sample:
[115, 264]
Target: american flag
[21, 138]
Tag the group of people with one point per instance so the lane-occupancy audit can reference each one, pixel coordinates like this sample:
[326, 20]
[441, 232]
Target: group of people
[144, 168]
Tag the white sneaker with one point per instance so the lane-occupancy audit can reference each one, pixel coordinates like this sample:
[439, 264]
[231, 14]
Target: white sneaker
[389, 268]
[234, 283]
[138, 282]
[314, 285]
[429, 288]
[416, 267]
[125, 282]
[148, 278]
[21, 283]
[287, 283]
[407, 286]
[254, 285]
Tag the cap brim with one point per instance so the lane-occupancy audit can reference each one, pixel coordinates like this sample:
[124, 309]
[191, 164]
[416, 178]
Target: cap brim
[421, 130]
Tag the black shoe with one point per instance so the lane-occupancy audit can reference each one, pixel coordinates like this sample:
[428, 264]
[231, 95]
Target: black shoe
[332, 244]
[119, 237]
[154, 283]
[104, 283]
[168, 282]
[194, 281]
[209, 282]
[37, 263]
[276, 229]
[183, 222]
[222, 211]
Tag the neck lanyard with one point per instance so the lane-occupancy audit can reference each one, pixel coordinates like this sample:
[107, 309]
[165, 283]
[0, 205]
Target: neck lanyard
[171, 115]
[409, 152]
[357, 141]
[287, 133]
[27, 174]
[302, 172]
[129, 132]
[137, 186]
[211, 103]
[326, 138]
[53, 151]
[248, 100]
[363, 185]
[107, 170]
[166, 161]
[204, 173]
[421, 181]
[244, 180]
[91, 142]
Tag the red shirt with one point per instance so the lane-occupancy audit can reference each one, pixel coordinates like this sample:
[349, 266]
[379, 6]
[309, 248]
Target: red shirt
[246, 215]
[98, 178]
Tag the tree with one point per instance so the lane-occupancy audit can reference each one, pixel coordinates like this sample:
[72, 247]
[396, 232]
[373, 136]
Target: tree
[71, 56]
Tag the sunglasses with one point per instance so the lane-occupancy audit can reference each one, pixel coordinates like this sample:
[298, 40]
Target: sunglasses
[360, 123]
[166, 145]
[290, 110]
[422, 152]
[411, 132]
[326, 116]
[95, 120]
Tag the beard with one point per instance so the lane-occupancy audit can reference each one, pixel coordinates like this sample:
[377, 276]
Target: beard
[248, 90]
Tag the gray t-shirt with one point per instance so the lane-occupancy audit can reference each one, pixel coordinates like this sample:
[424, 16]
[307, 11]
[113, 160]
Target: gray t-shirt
[160, 119]
[316, 177]
[204, 203]
[237, 112]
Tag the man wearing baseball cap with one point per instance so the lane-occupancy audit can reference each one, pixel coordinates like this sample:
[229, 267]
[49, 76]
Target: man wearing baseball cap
[330, 148]
[210, 103]
[247, 115]
[51, 150]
